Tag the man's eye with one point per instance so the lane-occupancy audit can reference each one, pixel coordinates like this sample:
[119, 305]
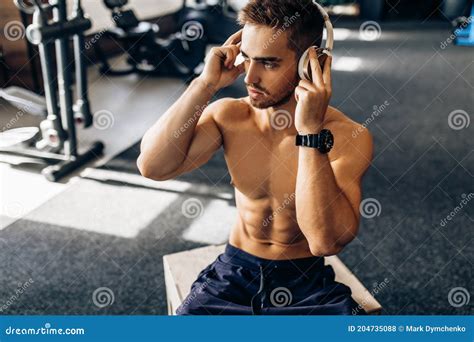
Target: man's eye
[269, 65]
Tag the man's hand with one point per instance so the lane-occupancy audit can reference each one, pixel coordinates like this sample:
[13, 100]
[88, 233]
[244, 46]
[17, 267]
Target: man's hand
[313, 97]
[219, 70]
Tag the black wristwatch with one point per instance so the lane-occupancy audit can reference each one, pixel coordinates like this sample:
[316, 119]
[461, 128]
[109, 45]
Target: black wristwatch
[323, 141]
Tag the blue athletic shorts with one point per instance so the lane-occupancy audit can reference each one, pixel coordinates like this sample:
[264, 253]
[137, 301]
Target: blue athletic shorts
[239, 283]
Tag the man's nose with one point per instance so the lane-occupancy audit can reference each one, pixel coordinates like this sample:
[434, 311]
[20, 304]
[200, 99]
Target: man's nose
[252, 76]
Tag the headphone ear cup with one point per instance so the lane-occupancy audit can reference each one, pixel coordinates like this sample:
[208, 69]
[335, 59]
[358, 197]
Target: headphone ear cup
[322, 56]
[303, 65]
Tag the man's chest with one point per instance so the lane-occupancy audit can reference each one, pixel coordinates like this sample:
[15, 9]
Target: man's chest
[261, 166]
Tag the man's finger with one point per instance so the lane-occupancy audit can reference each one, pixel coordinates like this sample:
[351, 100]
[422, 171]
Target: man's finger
[327, 73]
[316, 72]
[300, 91]
[231, 53]
[306, 84]
[234, 39]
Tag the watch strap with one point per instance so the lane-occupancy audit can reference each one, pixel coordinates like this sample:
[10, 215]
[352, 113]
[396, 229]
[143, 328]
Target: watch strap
[308, 140]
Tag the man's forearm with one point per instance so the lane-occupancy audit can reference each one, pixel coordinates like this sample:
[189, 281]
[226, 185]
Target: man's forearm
[323, 212]
[164, 145]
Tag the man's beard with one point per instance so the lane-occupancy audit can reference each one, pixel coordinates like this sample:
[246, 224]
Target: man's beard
[271, 101]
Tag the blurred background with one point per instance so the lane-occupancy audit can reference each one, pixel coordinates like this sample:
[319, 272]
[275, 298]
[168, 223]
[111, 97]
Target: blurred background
[76, 215]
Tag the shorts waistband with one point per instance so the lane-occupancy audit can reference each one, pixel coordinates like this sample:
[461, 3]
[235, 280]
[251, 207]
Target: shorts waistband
[237, 256]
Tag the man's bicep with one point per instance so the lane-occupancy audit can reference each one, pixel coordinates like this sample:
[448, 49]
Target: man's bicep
[351, 166]
[206, 140]
[350, 186]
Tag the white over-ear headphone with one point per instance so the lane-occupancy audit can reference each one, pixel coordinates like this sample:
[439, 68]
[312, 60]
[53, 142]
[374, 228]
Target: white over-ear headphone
[304, 67]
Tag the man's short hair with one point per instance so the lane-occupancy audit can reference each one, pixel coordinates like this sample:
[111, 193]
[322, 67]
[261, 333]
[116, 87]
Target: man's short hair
[301, 18]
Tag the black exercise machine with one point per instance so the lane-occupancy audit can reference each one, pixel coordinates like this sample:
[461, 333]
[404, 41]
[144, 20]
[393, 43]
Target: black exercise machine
[464, 30]
[180, 54]
[55, 142]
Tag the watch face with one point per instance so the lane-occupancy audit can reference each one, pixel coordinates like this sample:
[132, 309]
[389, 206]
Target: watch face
[326, 141]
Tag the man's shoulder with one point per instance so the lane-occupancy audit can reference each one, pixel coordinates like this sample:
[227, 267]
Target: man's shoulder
[228, 109]
[336, 119]
[349, 135]
[222, 107]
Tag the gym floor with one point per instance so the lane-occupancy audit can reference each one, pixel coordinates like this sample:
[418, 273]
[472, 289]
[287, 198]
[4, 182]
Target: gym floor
[106, 226]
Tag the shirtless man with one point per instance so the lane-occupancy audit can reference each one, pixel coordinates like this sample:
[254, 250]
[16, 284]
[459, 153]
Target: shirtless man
[295, 204]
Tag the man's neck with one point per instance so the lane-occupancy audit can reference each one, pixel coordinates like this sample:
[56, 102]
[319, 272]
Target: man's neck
[281, 114]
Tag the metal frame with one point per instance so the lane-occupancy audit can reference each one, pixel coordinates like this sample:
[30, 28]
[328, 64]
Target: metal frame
[59, 140]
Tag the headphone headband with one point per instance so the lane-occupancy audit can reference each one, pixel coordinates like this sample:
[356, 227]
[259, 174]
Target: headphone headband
[304, 64]
[329, 29]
